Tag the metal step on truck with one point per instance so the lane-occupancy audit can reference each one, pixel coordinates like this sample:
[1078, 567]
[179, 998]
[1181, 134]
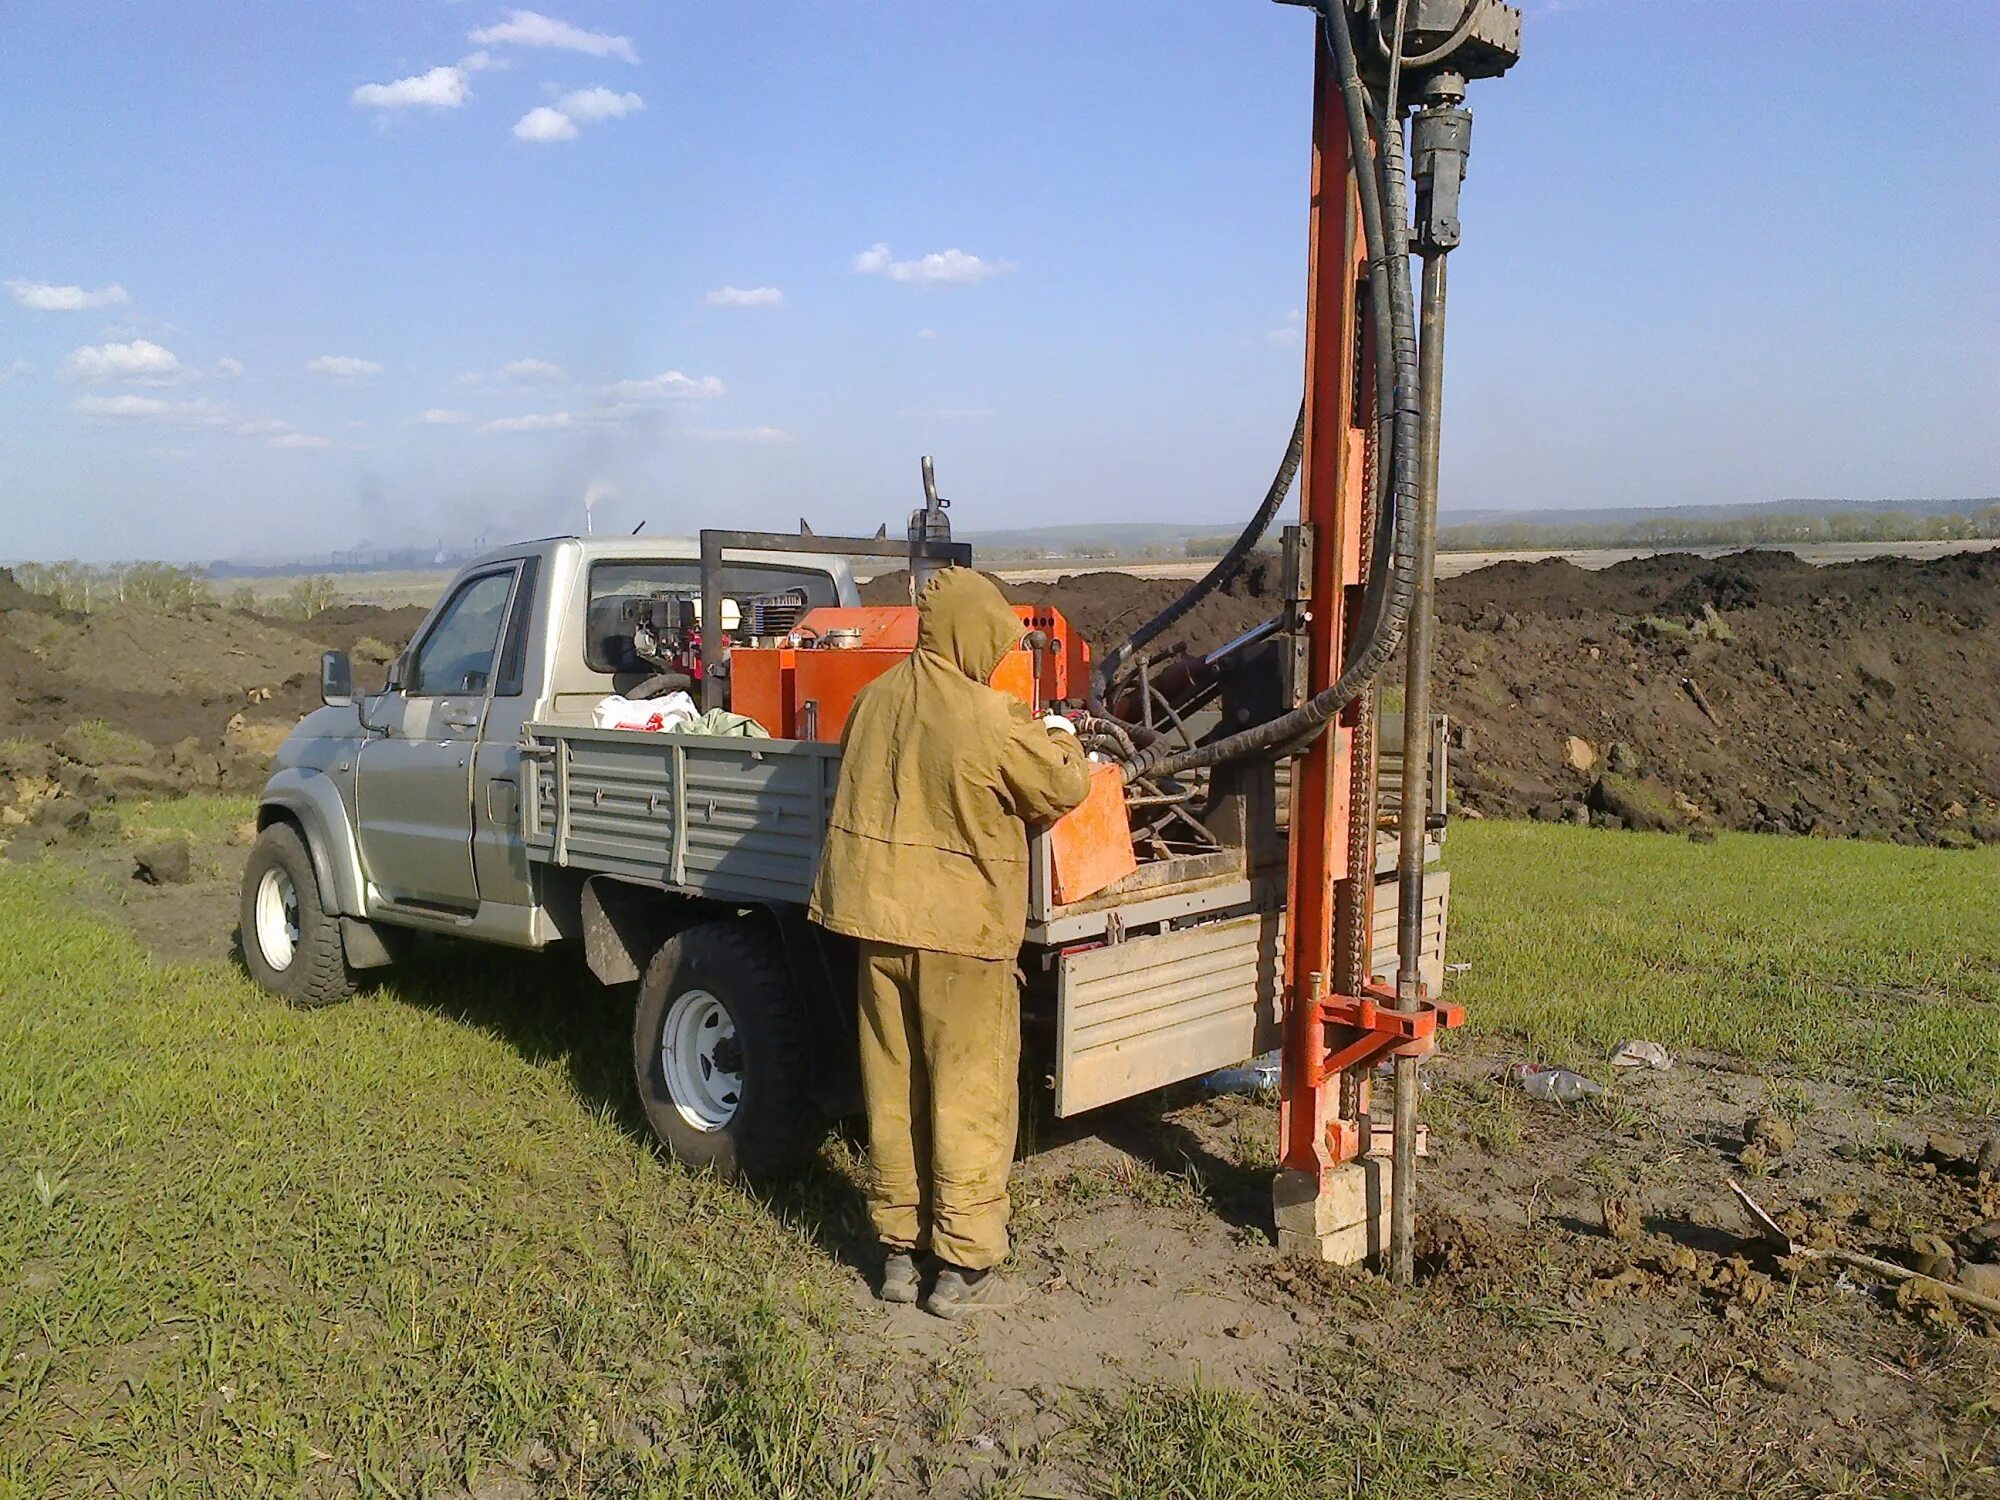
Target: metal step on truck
[474, 796]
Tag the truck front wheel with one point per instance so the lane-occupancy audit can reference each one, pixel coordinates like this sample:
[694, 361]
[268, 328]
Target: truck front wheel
[718, 1047]
[290, 946]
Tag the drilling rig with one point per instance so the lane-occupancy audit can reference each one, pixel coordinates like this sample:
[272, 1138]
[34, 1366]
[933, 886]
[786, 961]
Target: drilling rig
[1216, 895]
[1389, 114]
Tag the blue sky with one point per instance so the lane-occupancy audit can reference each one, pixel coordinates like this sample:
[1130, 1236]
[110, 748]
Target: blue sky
[278, 278]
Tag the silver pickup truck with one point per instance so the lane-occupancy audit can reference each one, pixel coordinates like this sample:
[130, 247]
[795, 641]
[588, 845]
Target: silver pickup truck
[472, 797]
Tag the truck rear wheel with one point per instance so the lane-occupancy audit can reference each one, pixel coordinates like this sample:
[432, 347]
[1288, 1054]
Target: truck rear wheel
[719, 1050]
[290, 946]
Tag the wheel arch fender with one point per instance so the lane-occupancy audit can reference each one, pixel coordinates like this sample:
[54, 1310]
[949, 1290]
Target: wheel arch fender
[311, 802]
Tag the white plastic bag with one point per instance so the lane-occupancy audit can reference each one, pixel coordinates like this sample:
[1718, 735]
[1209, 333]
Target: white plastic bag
[654, 714]
[1539, 1081]
[1639, 1054]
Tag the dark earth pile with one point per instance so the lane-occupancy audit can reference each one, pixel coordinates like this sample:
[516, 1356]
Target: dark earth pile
[1751, 691]
[1107, 607]
[132, 703]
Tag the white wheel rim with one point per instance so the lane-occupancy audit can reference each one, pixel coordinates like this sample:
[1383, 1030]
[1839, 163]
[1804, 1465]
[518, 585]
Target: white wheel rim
[705, 1088]
[277, 918]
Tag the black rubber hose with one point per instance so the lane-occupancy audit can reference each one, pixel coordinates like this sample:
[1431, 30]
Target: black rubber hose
[1226, 567]
[1366, 176]
[1386, 603]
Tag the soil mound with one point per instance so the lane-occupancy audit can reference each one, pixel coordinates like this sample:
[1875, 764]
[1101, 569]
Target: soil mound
[1108, 607]
[1748, 691]
[1757, 691]
[136, 702]
[13, 596]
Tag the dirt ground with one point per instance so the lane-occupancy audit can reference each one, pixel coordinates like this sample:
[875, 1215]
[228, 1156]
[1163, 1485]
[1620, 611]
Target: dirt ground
[1593, 1306]
[131, 704]
[1593, 1303]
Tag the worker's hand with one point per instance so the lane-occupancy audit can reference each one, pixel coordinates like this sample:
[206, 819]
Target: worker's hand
[1057, 721]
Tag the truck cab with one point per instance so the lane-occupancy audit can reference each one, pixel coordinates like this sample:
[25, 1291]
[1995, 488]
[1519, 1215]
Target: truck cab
[405, 802]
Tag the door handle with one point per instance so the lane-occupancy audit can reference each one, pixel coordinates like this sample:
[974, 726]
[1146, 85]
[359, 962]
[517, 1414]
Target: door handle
[461, 721]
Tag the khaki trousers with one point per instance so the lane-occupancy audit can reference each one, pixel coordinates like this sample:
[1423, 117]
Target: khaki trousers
[940, 1055]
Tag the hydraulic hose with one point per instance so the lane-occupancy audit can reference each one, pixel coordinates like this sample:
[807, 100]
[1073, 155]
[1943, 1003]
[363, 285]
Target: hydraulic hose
[1386, 602]
[1226, 567]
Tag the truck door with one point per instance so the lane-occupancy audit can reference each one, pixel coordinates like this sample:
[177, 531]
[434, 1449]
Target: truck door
[414, 787]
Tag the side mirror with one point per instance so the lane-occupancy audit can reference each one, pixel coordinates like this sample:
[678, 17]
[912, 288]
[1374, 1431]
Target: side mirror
[336, 679]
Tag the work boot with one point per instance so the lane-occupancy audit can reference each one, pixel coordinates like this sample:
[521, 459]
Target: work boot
[959, 1292]
[899, 1277]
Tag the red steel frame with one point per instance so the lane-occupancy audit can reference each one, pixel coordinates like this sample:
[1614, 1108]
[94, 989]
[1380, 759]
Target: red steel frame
[1327, 1034]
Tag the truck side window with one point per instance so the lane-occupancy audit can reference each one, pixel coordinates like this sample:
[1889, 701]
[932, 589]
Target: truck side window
[607, 635]
[456, 657]
[510, 678]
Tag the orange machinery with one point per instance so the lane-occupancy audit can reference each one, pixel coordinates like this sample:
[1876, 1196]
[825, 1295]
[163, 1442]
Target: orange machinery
[804, 689]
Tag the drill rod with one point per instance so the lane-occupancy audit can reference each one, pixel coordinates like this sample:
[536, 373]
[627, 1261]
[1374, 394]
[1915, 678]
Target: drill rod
[1413, 815]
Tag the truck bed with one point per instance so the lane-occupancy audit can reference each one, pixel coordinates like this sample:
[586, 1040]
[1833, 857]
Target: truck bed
[1171, 973]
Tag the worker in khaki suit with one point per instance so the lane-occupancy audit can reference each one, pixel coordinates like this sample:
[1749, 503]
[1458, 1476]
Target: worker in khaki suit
[926, 862]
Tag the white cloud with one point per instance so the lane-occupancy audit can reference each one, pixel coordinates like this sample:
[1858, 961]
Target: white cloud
[299, 440]
[198, 413]
[745, 296]
[44, 297]
[534, 421]
[739, 434]
[926, 333]
[940, 268]
[439, 416]
[530, 370]
[527, 28]
[668, 383]
[443, 87]
[544, 126]
[15, 370]
[599, 104]
[515, 372]
[228, 369]
[1290, 334]
[141, 360]
[343, 366]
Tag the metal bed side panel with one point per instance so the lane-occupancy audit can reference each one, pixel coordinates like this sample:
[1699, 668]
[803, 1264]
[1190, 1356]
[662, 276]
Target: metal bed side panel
[1151, 1011]
[731, 818]
[755, 820]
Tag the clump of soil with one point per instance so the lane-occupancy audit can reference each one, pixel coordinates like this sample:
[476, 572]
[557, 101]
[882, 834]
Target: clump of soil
[1446, 1244]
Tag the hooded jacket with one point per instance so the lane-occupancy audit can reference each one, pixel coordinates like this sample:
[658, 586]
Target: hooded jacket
[927, 845]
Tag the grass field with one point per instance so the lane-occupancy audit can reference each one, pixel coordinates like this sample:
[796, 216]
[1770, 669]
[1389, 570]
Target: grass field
[421, 1243]
[1818, 955]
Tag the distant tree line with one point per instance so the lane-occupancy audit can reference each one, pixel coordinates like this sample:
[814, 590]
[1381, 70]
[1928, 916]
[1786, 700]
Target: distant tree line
[1743, 531]
[92, 586]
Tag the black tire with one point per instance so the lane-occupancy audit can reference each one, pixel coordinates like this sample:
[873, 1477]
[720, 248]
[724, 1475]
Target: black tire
[315, 973]
[758, 1122]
